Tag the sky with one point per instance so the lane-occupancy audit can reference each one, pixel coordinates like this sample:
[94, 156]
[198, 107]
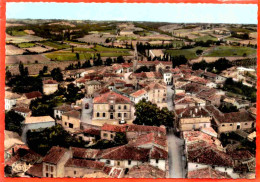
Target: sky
[163, 12]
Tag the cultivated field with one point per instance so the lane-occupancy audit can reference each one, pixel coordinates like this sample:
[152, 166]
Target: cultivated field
[13, 50]
[224, 51]
[188, 53]
[20, 39]
[26, 59]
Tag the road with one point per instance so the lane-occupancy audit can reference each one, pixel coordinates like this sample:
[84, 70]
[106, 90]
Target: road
[175, 160]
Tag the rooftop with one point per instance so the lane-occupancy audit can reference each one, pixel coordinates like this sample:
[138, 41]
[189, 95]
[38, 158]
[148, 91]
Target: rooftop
[38, 119]
[104, 98]
[54, 155]
[82, 163]
[208, 172]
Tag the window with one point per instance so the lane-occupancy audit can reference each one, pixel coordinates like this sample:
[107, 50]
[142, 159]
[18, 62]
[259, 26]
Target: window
[75, 172]
[51, 175]
[111, 107]
[51, 168]
[129, 162]
[125, 107]
[104, 114]
[66, 123]
[70, 125]
[108, 162]
[119, 114]
[197, 165]
[157, 161]
[119, 107]
[245, 123]
[230, 124]
[105, 135]
[118, 163]
[46, 168]
[111, 136]
[125, 115]
[223, 125]
[98, 114]
[47, 175]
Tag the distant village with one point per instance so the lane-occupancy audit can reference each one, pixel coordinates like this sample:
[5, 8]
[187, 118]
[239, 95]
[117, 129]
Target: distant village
[148, 115]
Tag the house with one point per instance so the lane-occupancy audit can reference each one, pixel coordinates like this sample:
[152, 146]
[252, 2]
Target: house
[228, 122]
[112, 107]
[35, 123]
[139, 95]
[49, 86]
[181, 100]
[91, 87]
[193, 118]
[208, 172]
[10, 100]
[71, 120]
[133, 131]
[54, 162]
[201, 155]
[88, 135]
[77, 168]
[108, 131]
[156, 93]
[33, 95]
[24, 111]
[59, 110]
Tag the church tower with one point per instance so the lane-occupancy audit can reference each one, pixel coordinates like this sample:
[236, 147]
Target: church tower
[135, 59]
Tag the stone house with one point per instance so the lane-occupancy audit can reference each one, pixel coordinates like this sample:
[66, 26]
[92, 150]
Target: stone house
[10, 100]
[50, 86]
[71, 120]
[91, 87]
[54, 162]
[108, 131]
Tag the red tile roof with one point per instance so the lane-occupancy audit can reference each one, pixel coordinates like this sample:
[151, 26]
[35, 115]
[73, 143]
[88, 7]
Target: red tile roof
[208, 173]
[22, 109]
[104, 98]
[34, 94]
[84, 153]
[191, 112]
[138, 93]
[125, 153]
[50, 82]
[36, 170]
[145, 171]
[72, 113]
[158, 153]
[54, 155]
[143, 128]
[82, 163]
[150, 138]
[114, 128]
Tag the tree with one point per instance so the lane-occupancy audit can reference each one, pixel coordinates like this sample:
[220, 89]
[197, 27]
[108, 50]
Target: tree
[120, 59]
[120, 139]
[142, 69]
[13, 122]
[42, 141]
[8, 75]
[77, 55]
[108, 61]
[199, 52]
[150, 114]
[56, 74]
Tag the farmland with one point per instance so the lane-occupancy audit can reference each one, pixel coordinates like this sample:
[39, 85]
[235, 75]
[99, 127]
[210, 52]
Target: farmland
[223, 51]
[26, 45]
[188, 53]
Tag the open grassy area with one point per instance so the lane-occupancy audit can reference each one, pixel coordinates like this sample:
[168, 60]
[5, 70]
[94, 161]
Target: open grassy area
[188, 53]
[206, 38]
[126, 38]
[237, 29]
[225, 51]
[16, 33]
[67, 56]
[101, 49]
[55, 45]
[75, 42]
[26, 45]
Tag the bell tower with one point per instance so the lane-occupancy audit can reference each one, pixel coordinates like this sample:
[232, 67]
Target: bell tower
[135, 59]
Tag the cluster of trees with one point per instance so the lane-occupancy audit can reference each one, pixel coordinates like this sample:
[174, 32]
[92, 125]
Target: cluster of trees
[56, 74]
[42, 141]
[23, 83]
[44, 106]
[244, 36]
[150, 114]
[217, 66]
[239, 88]
[207, 43]
[227, 108]
[13, 121]
[142, 48]
[78, 65]
[142, 69]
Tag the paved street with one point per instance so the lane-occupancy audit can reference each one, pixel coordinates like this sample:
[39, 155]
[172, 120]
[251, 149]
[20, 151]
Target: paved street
[170, 93]
[176, 162]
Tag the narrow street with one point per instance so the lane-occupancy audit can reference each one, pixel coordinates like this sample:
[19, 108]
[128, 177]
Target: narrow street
[175, 152]
[175, 145]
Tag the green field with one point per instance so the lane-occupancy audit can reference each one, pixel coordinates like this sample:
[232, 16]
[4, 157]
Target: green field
[26, 45]
[126, 38]
[16, 33]
[55, 45]
[68, 56]
[75, 42]
[236, 29]
[206, 38]
[101, 49]
[188, 53]
[223, 51]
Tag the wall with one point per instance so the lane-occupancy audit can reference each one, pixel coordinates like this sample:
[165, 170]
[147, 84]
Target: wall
[70, 120]
[161, 164]
[227, 127]
[49, 88]
[187, 124]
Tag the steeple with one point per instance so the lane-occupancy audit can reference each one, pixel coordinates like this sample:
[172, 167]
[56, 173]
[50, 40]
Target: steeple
[135, 59]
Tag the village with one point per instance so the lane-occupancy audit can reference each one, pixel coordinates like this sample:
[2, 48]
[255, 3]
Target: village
[130, 100]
